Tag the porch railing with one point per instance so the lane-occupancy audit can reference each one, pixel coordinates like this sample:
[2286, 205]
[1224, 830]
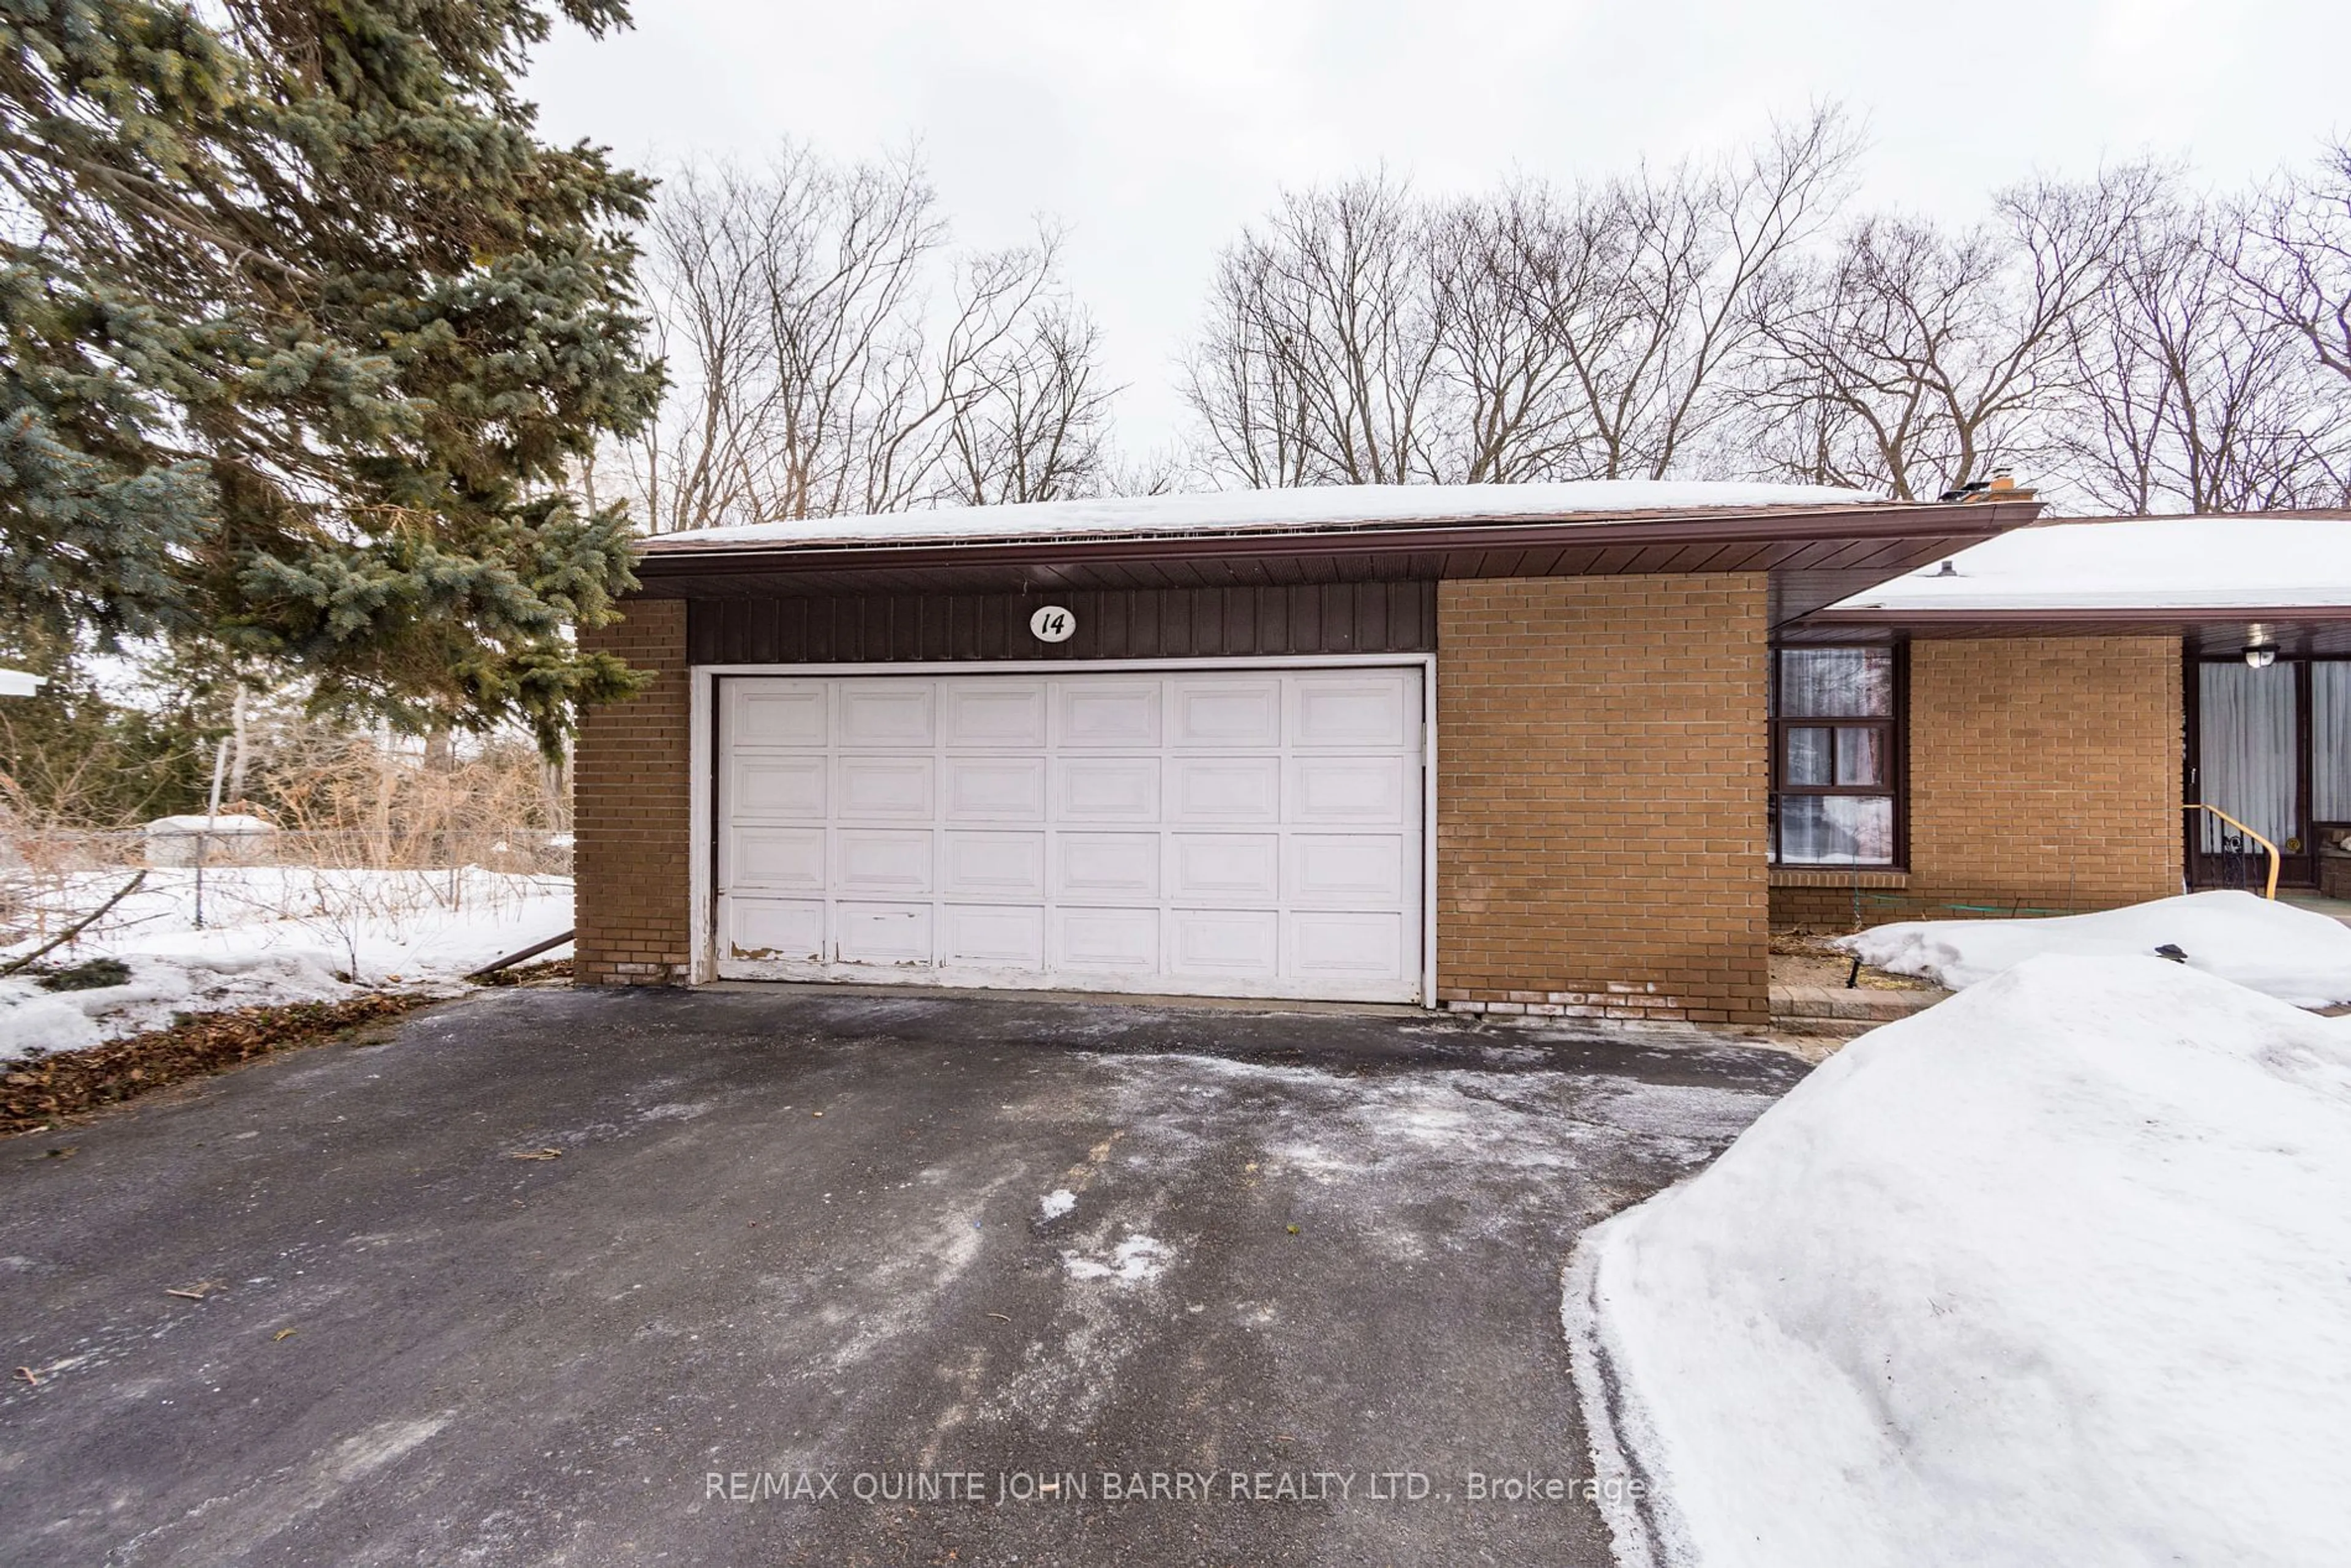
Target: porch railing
[2269, 892]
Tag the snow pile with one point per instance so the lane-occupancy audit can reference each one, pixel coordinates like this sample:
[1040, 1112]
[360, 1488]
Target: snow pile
[160, 988]
[2055, 1273]
[1305, 507]
[1057, 1203]
[2293, 954]
[272, 933]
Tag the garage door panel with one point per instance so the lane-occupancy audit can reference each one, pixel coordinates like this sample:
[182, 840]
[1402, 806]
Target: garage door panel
[871, 787]
[1223, 714]
[1348, 871]
[1224, 868]
[996, 936]
[775, 929]
[995, 713]
[789, 858]
[896, 934]
[1226, 943]
[881, 860]
[886, 713]
[1211, 831]
[1365, 790]
[1106, 941]
[776, 712]
[1107, 712]
[1108, 867]
[995, 789]
[993, 865]
[1106, 790]
[1224, 790]
[768, 787]
[1376, 709]
[1364, 944]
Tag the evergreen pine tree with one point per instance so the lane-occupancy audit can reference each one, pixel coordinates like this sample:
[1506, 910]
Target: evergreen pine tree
[301, 332]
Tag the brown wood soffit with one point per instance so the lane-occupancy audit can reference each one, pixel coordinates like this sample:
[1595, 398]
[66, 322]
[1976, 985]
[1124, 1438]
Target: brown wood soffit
[1816, 555]
[2302, 629]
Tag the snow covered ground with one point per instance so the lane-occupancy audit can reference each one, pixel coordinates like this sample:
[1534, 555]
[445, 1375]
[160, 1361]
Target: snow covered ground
[2053, 1272]
[272, 933]
[2293, 954]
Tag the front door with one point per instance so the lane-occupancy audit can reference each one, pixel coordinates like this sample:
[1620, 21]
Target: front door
[2252, 761]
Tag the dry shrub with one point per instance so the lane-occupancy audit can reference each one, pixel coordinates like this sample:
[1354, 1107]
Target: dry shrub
[355, 802]
[346, 805]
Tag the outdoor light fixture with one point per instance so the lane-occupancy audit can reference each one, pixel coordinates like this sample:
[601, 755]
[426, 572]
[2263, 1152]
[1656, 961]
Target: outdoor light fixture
[2259, 655]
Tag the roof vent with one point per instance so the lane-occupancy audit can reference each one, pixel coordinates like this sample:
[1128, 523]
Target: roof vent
[1948, 569]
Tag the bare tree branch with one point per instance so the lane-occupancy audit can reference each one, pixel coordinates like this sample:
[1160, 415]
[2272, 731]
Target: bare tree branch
[1364, 337]
[2298, 263]
[2192, 395]
[813, 373]
[1913, 358]
[1319, 360]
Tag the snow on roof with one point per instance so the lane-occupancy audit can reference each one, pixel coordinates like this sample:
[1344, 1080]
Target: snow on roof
[1332, 505]
[2246, 562]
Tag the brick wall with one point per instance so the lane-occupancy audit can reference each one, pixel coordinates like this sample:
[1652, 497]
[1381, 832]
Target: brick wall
[2044, 773]
[629, 801]
[1601, 796]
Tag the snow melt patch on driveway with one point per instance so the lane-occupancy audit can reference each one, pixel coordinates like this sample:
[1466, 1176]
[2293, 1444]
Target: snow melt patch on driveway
[1138, 1259]
[2293, 954]
[2054, 1272]
[1057, 1203]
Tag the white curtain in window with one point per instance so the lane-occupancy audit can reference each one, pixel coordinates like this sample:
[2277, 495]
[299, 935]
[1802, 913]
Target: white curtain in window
[2245, 725]
[2330, 741]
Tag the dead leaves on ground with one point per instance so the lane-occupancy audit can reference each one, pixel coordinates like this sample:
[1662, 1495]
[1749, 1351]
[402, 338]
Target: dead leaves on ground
[198, 1290]
[549, 1154]
[40, 1091]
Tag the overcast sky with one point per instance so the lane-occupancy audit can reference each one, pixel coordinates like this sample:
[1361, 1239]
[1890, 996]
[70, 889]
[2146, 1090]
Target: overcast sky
[1154, 130]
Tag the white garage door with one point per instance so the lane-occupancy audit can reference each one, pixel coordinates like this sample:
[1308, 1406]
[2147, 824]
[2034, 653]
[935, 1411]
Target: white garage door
[1225, 832]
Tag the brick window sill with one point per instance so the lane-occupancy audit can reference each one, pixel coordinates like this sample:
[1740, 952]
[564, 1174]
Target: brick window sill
[1838, 876]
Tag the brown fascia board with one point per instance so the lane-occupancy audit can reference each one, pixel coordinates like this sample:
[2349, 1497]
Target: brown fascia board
[1791, 525]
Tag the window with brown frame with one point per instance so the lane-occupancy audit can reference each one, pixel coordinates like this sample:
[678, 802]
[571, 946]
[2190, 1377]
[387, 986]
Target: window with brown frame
[1836, 756]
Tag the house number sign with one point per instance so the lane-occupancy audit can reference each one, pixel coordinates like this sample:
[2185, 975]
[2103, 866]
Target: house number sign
[1053, 624]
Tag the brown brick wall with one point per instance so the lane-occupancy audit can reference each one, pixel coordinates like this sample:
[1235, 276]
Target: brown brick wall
[1601, 796]
[630, 800]
[2044, 774]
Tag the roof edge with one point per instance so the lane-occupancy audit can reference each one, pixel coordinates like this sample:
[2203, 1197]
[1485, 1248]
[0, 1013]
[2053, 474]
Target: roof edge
[1856, 520]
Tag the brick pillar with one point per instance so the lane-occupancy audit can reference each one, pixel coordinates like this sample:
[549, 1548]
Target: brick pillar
[1601, 796]
[629, 800]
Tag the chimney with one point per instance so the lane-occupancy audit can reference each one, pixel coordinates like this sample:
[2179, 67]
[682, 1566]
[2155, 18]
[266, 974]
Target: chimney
[2003, 486]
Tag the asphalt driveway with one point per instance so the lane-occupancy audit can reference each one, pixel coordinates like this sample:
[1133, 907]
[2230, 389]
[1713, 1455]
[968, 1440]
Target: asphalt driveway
[1293, 1279]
